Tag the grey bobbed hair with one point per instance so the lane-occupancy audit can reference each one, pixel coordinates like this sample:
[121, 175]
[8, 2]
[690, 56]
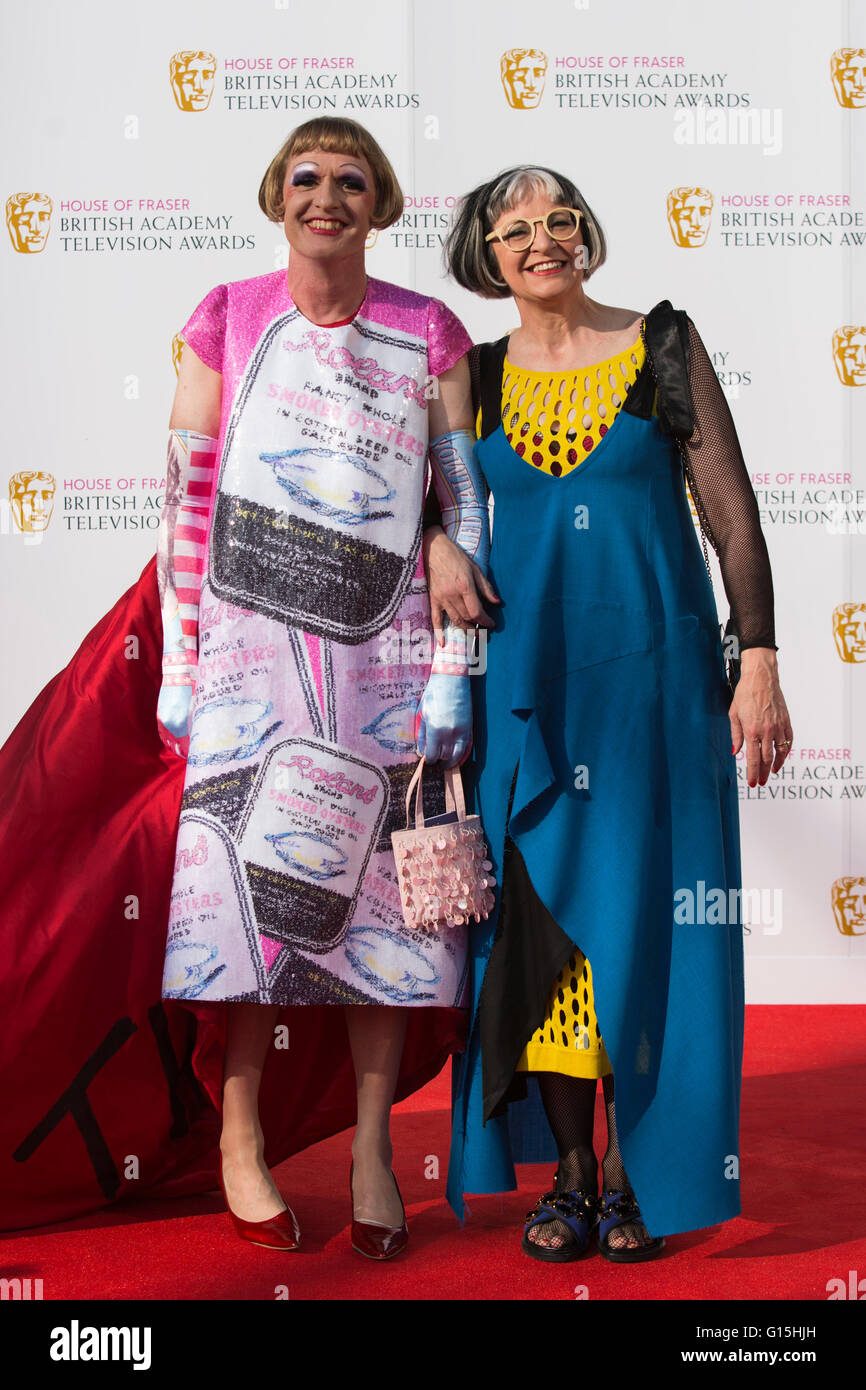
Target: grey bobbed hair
[471, 260]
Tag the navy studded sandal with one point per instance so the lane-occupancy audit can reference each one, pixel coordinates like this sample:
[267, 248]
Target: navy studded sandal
[617, 1209]
[578, 1210]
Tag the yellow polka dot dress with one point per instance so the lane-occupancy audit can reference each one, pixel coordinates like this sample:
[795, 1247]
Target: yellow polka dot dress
[554, 420]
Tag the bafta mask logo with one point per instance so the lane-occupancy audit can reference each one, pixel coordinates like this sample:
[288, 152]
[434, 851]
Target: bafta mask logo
[31, 497]
[848, 896]
[689, 212]
[372, 238]
[192, 78]
[849, 354]
[523, 71]
[28, 220]
[176, 350]
[848, 72]
[849, 631]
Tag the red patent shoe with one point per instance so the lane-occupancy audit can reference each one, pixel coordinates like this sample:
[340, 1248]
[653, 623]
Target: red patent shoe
[280, 1232]
[375, 1241]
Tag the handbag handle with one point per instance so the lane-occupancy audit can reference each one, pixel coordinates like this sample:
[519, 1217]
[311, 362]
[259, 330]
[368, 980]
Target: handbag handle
[454, 798]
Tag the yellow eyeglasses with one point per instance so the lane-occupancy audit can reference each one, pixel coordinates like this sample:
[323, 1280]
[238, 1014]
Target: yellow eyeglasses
[559, 223]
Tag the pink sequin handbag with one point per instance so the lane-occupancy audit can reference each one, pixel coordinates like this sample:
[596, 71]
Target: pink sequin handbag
[443, 869]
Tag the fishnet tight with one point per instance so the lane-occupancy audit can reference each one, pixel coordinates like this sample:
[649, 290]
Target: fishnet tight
[569, 1104]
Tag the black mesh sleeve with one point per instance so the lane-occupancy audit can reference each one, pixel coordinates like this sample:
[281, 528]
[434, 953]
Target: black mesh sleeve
[726, 503]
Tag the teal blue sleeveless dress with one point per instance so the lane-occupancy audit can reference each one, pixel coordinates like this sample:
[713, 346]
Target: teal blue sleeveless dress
[602, 756]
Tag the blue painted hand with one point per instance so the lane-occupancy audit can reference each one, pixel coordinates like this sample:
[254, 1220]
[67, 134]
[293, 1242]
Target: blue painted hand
[173, 708]
[443, 724]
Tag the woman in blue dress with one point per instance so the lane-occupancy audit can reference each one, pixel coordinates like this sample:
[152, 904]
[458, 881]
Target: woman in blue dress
[605, 734]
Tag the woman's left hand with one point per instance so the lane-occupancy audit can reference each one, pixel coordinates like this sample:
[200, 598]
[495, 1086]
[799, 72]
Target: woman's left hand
[759, 716]
[456, 585]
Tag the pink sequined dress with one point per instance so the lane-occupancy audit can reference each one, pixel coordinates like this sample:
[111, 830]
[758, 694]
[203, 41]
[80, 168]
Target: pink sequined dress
[314, 648]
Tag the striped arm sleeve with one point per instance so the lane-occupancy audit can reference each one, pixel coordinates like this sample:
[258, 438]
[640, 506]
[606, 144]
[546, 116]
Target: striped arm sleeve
[181, 549]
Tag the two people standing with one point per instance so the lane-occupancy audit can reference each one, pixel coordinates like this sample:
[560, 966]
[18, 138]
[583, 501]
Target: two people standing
[292, 539]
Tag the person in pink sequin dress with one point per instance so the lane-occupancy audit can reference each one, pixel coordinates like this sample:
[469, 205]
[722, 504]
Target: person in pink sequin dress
[292, 677]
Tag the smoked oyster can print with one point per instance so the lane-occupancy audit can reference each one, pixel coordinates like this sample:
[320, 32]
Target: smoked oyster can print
[311, 822]
[317, 517]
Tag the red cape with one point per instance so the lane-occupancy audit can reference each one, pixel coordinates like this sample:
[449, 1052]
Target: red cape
[95, 1066]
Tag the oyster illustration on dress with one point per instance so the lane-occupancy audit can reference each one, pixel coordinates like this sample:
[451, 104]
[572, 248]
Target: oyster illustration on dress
[337, 485]
[227, 730]
[391, 963]
[189, 968]
[394, 728]
[309, 854]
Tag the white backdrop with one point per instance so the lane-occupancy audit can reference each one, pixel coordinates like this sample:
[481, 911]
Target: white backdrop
[744, 108]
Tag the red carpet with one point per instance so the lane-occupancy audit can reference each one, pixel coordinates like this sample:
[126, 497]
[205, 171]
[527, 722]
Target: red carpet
[803, 1221]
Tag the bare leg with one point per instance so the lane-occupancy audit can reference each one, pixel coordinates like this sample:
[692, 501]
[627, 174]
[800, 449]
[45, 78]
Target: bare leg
[252, 1192]
[376, 1035]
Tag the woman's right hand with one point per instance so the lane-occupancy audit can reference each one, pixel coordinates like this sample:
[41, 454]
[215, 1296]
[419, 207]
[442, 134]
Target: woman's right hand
[456, 584]
[173, 709]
